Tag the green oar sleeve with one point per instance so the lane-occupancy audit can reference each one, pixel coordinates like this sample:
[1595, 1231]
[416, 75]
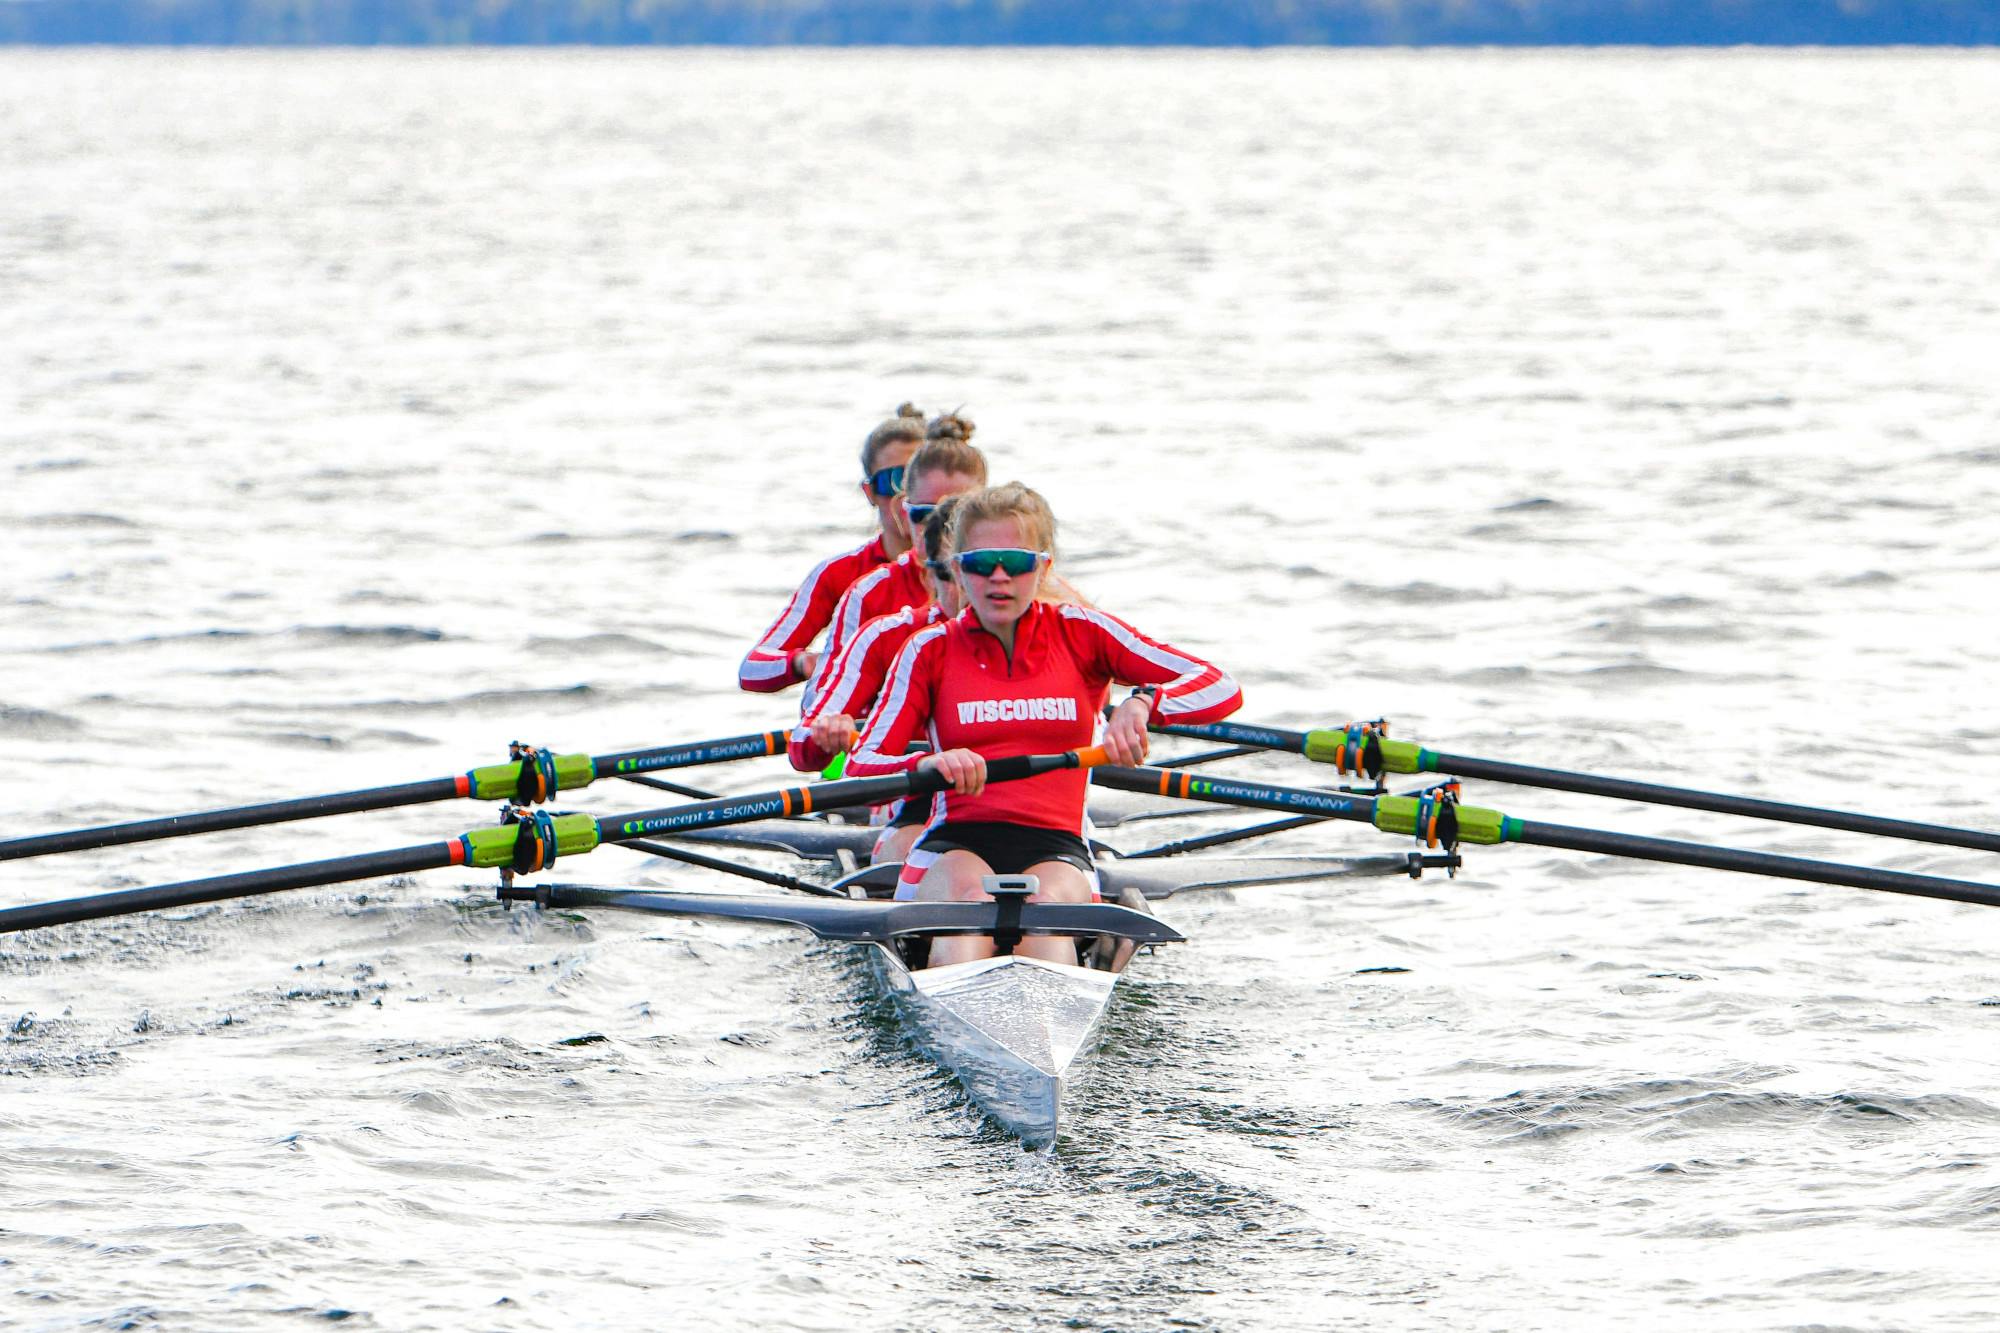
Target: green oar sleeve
[1476, 824]
[496, 782]
[575, 835]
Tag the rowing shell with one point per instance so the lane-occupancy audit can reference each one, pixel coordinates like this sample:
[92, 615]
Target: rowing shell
[1014, 1031]
[1017, 1033]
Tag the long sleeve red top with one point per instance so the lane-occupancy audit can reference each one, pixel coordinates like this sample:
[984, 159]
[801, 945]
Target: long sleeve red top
[879, 592]
[767, 667]
[850, 682]
[955, 685]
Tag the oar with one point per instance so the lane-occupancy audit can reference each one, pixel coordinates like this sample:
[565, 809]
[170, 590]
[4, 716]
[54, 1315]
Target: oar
[661, 784]
[532, 844]
[1225, 836]
[533, 775]
[1354, 750]
[1405, 814]
[1155, 882]
[758, 873]
[855, 921]
[813, 840]
[1205, 756]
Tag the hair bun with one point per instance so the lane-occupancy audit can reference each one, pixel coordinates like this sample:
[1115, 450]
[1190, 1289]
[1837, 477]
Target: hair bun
[906, 427]
[950, 426]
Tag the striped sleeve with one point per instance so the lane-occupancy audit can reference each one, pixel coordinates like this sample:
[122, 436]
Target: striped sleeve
[1191, 690]
[904, 709]
[767, 667]
[845, 684]
[853, 610]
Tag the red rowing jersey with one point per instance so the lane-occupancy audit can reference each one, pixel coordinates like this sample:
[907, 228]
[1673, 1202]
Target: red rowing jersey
[956, 686]
[850, 682]
[879, 592]
[767, 668]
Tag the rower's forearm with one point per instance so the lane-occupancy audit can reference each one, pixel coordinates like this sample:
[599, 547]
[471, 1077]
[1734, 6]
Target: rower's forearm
[765, 672]
[874, 764]
[804, 755]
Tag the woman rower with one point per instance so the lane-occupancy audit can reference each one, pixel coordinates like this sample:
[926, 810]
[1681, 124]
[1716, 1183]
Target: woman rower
[948, 464]
[1013, 674]
[784, 656]
[848, 685]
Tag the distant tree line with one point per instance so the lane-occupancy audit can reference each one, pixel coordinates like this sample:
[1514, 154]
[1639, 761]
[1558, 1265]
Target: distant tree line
[1002, 22]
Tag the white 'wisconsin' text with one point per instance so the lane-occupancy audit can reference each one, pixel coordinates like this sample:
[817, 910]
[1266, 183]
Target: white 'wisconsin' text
[1017, 710]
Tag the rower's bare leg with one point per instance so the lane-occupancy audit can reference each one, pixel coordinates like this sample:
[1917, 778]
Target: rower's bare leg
[894, 844]
[955, 877]
[1061, 883]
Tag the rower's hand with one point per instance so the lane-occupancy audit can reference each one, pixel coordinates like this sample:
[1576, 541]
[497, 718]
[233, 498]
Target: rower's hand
[804, 663]
[834, 733]
[965, 770]
[1125, 737]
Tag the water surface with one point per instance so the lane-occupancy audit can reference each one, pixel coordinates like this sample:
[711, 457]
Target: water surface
[1619, 411]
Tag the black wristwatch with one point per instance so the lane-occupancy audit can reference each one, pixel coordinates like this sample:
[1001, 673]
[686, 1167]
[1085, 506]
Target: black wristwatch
[1151, 694]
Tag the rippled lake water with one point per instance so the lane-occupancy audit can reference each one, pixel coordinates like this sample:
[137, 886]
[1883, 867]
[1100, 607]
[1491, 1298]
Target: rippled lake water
[363, 411]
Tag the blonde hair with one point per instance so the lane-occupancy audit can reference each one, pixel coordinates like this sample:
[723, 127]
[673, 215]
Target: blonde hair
[906, 425]
[1013, 500]
[1026, 507]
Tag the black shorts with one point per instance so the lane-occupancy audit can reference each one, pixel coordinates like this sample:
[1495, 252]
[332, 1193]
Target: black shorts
[912, 812]
[1009, 848]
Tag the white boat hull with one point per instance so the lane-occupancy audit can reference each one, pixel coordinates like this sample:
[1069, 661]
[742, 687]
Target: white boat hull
[1013, 1031]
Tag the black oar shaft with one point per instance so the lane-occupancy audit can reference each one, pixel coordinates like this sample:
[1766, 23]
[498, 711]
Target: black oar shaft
[753, 746]
[1654, 793]
[1205, 756]
[1408, 757]
[1238, 733]
[1223, 838]
[1236, 791]
[1476, 824]
[855, 921]
[661, 784]
[810, 798]
[494, 782]
[1226, 835]
[500, 845]
[310, 874]
[242, 816]
[402, 861]
[804, 799]
[757, 873]
[1750, 863]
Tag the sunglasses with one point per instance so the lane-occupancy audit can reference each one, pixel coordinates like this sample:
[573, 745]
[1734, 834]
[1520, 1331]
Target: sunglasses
[1016, 562]
[938, 570]
[919, 514]
[886, 482]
